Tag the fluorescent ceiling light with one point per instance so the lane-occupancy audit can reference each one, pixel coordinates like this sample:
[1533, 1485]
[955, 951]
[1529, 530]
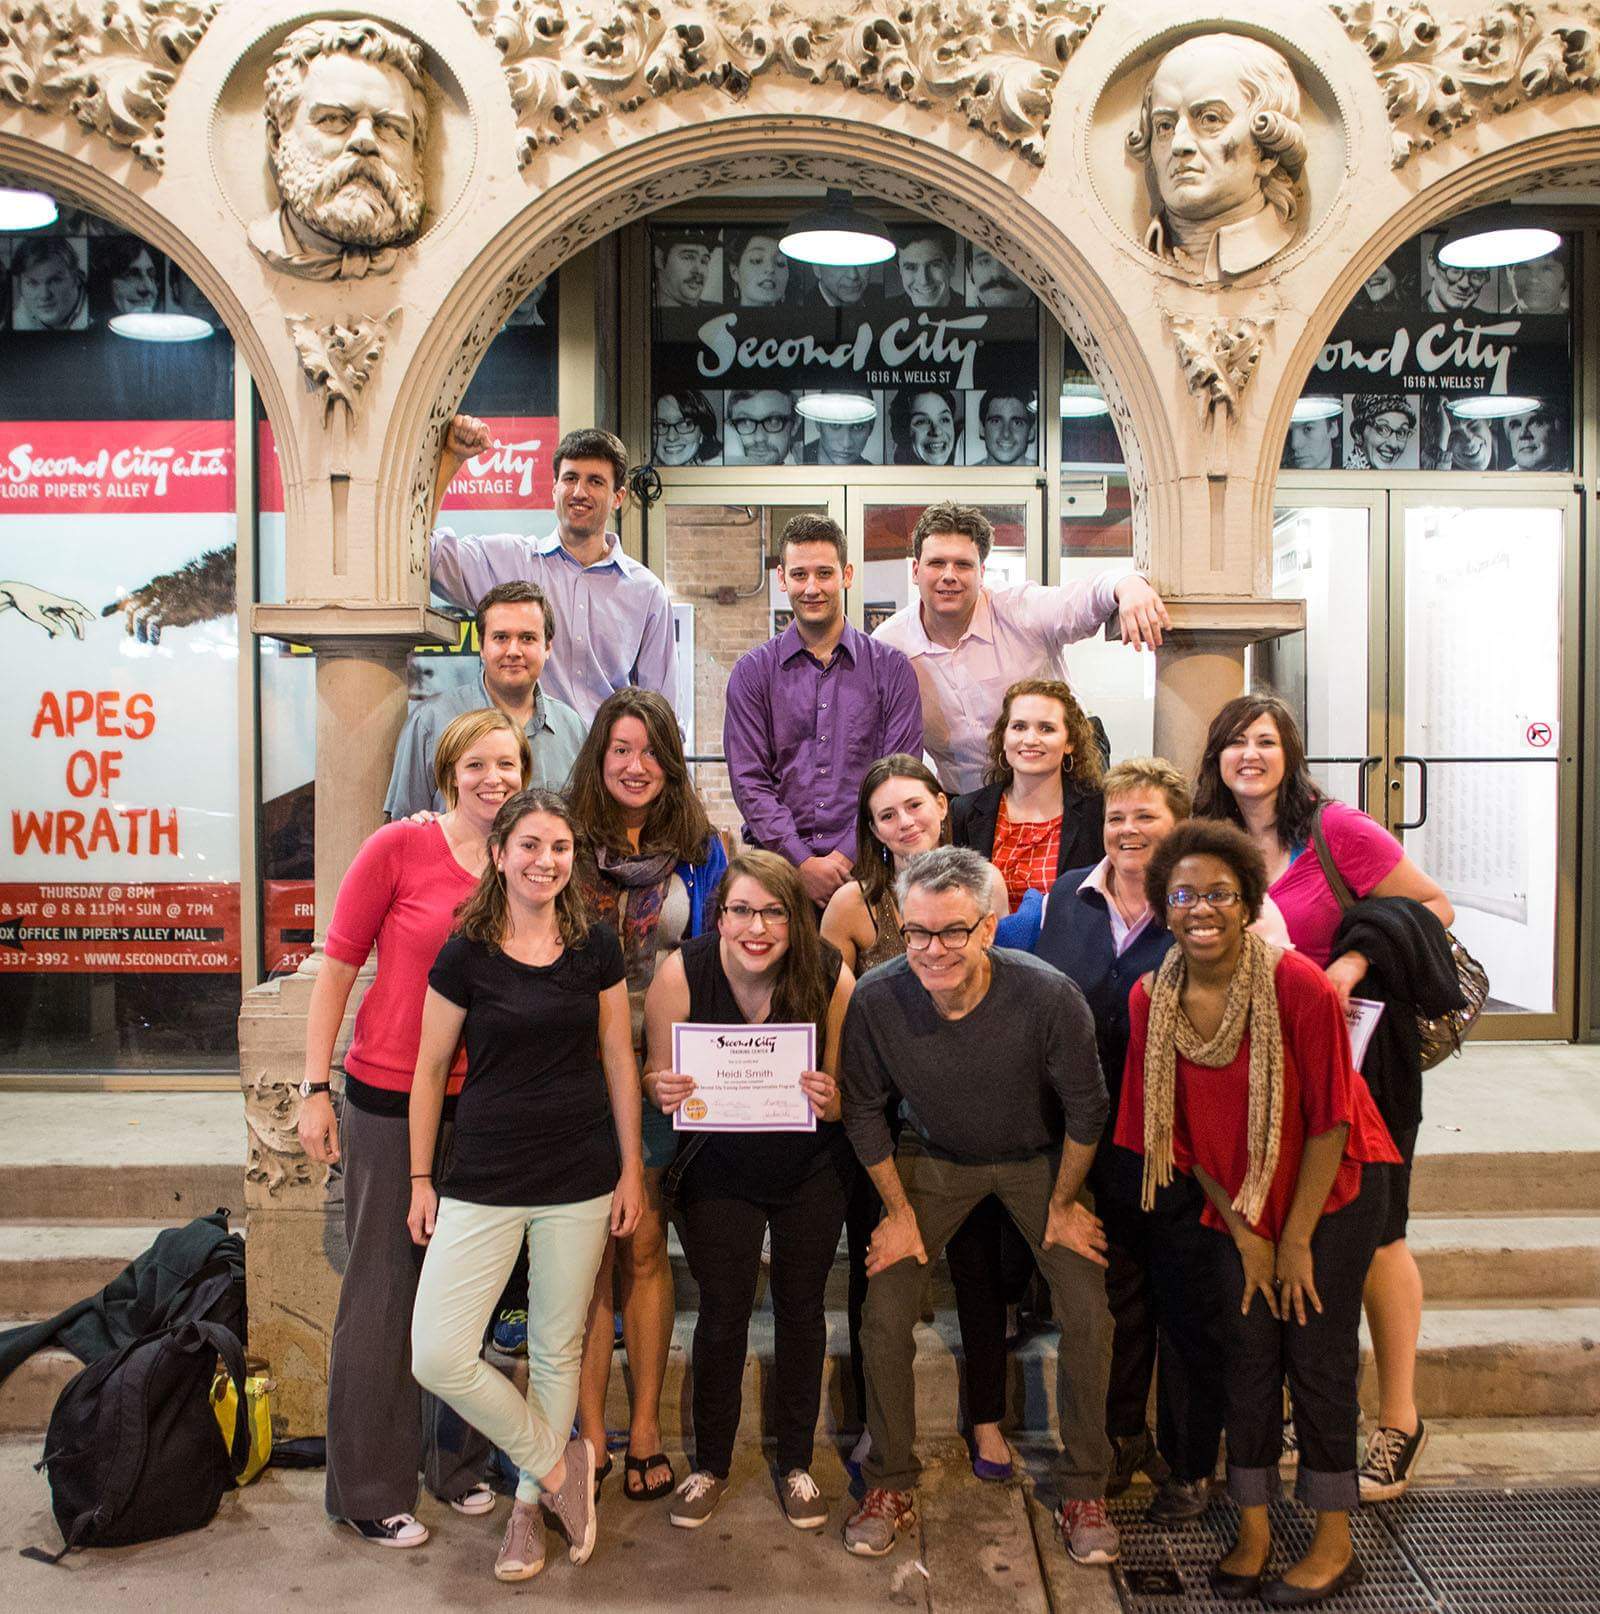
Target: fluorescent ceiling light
[1308, 406]
[160, 327]
[1494, 248]
[836, 408]
[1490, 406]
[837, 233]
[25, 210]
[1081, 399]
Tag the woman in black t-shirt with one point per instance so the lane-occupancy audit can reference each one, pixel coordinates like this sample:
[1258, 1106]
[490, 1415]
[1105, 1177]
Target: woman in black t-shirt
[546, 1151]
[763, 963]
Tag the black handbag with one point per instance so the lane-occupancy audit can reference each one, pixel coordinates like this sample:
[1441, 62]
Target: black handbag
[1442, 1034]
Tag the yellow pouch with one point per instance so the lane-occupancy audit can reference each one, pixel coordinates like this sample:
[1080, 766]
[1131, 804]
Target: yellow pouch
[258, 1410]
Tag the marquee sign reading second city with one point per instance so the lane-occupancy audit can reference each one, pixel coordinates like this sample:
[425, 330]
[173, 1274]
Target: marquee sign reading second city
[929, 359]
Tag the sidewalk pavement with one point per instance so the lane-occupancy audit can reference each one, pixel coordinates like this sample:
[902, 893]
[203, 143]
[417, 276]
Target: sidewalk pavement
[271, 1547]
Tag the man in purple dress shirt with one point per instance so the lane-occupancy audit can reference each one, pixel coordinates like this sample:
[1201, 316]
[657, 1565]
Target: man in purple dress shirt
[809, 712]
[613, 617]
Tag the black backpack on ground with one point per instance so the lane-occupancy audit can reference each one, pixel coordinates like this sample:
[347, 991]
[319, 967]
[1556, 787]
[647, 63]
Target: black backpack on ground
[134, 1451]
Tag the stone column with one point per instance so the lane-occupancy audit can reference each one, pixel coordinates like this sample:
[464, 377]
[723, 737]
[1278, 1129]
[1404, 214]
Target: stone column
[1201, 665]
[295, 1250]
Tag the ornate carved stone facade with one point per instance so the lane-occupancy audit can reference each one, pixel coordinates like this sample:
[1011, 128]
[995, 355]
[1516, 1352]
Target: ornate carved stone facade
[996, 65]
[109, 65]
[339, 358]
[1439, 73]
[1218, 357]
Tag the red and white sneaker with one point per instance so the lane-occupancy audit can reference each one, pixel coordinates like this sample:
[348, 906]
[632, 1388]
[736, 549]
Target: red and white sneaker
[872, 1530]
[1090, 1535]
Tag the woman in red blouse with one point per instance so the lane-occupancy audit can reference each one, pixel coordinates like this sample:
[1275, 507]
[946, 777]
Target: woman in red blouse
[1239, 1072]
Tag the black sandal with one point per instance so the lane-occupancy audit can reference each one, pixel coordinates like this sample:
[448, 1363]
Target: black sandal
[642, 1466]
[600, 1474]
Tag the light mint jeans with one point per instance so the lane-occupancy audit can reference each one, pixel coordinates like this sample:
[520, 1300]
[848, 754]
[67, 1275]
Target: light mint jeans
[469, 1259]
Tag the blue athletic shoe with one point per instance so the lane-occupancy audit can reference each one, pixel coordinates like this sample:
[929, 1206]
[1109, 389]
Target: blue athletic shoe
[511, 1333]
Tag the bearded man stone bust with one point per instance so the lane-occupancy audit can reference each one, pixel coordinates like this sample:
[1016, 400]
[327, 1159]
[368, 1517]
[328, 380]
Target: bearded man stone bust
[347, 121]
[1220, 136]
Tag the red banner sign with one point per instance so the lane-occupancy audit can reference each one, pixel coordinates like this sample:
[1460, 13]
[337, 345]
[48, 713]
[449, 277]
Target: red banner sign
[289, 913]
[116, 467]
[103, 928]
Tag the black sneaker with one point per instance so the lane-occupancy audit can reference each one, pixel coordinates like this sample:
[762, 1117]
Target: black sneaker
[398, 1530]
[1178, 1501]
[1391, 1462]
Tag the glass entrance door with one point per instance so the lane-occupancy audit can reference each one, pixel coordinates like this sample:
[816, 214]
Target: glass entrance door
[1434, 679]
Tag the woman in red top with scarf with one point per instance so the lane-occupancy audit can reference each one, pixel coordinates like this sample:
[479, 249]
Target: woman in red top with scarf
[1239, 1072]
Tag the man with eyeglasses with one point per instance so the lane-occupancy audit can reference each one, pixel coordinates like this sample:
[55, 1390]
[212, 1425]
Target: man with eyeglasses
[1452, 290]
[993, 1054]
[764, 425]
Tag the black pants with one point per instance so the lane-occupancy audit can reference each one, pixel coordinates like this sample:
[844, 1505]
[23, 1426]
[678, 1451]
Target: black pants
[1320, 1357]
[722, 1239]
[862, 1214]
[1162, 1294]
[990, 1265]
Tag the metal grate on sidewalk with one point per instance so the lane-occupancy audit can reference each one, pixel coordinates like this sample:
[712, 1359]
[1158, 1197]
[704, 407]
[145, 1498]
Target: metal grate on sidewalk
[1436, 1551]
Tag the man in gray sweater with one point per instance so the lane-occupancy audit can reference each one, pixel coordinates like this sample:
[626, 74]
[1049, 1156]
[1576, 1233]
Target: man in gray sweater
[993, 1053]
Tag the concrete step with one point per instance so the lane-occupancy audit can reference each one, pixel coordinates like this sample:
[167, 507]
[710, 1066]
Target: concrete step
[1474, 1362]
[1557, 1182]
[1513, 1259]
[45, 1267]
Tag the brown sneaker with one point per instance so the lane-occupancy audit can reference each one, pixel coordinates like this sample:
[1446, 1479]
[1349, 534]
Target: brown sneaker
[573, 1504]
[872, 1530]
[522, 1550]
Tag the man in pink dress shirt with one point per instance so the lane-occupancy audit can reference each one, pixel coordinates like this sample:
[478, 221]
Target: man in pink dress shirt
[968, 643]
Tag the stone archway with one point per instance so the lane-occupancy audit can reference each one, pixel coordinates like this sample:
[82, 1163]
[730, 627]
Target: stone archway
[81, 183]
[635, 180]
[1491, 177]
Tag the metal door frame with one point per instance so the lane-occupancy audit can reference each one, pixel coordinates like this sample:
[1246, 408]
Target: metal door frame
[1561, 1022]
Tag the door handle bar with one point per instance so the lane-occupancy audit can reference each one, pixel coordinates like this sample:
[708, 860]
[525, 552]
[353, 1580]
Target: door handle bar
[1401, 759]
[1363, 765]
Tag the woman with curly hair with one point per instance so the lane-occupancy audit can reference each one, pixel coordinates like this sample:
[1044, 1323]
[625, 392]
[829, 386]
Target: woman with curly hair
[1038, 814]
[1238, 1074]
[925, 423]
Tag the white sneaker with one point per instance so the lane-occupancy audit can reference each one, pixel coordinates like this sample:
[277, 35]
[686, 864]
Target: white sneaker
[398, 1530]
[480, 1499]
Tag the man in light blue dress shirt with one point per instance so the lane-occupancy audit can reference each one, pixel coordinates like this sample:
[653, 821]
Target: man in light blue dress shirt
[613, 618]
[515, 627]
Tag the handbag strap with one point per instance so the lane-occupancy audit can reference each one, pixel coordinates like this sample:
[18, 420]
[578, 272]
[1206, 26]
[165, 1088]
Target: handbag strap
[673, 1176]
[1330, 869]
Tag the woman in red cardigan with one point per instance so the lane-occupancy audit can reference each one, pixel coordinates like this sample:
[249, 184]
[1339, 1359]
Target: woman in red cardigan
[1239, 1072]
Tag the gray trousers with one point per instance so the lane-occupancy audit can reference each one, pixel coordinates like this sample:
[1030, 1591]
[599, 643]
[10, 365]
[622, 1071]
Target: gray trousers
[382, 1429]
[942, 1192]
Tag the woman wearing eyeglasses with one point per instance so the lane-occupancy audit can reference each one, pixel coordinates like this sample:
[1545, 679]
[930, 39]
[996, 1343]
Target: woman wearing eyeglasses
[1238, 1073]
[763, 963]
[684, 429]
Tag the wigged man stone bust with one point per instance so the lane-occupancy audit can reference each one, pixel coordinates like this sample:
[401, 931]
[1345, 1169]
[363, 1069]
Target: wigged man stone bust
[1220, 136]
[347, 122]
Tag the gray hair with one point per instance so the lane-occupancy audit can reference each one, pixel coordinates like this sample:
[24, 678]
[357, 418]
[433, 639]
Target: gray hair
[946, 868]
[369, 41]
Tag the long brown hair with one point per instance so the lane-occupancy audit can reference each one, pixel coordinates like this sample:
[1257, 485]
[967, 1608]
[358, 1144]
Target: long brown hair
[485, 915]
[874, 865]
[802, 990]
[677, 820]
[1298, 795]
[1082, 766]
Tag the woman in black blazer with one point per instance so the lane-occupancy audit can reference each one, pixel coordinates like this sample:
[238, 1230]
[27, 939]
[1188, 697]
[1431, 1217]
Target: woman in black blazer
[1038, 814]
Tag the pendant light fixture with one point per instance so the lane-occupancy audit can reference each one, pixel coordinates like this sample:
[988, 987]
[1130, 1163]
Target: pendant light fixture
[25, 209]
[1493, 239]
[836, 408]
[837, 234]
[1314, 406]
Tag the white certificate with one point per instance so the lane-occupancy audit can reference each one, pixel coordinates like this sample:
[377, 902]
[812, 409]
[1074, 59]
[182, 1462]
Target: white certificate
[1361, 1015]
[746, 1078]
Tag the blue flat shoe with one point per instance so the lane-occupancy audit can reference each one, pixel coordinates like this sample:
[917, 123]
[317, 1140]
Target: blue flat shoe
[992, 1473]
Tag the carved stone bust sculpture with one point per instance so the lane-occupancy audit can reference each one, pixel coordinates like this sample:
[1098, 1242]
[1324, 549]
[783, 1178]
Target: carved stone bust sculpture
[1219, 134]
[347, 121]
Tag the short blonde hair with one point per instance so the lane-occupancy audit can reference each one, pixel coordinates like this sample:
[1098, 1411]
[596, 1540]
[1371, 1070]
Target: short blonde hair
[459, 738]
[1150, 773]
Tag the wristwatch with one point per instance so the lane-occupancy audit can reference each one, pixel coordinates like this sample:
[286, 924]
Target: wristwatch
[308, 1087]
